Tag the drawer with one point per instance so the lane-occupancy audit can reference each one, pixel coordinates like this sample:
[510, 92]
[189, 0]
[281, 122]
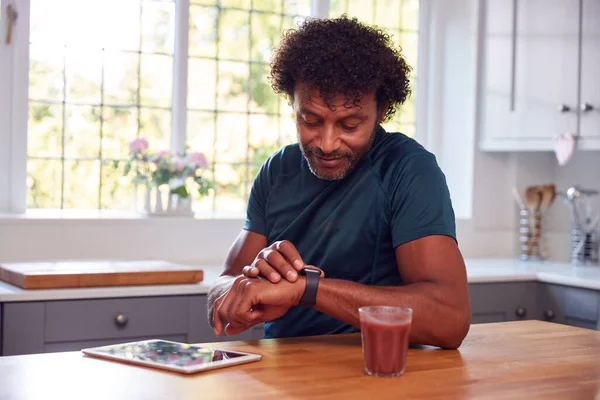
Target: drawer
[581, 304]
[97, 319]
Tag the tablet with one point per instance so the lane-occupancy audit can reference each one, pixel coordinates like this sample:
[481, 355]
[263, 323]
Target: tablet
[172, 356]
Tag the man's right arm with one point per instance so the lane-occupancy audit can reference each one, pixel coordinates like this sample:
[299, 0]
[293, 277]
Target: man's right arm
[242, 253]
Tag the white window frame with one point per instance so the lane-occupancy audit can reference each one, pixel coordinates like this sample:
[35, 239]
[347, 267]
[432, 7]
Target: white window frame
[14, 98]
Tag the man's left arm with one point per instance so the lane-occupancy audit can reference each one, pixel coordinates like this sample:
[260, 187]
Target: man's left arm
[435, 287]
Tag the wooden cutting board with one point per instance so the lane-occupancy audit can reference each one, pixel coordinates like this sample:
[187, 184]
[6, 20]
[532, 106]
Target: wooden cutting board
[76, 274]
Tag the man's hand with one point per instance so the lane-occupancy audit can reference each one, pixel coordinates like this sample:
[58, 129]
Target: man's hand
[254, 300]
[281, 259]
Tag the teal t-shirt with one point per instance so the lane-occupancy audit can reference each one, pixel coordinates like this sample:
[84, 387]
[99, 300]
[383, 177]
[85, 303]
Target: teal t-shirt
[349, 227]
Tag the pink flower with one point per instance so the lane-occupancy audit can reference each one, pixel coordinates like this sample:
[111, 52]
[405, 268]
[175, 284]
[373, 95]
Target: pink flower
[198, 159]
[138, 145]
[161, 155]
[178, 165]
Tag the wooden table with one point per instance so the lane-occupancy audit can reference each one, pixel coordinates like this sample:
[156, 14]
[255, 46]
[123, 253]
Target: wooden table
[528, 359]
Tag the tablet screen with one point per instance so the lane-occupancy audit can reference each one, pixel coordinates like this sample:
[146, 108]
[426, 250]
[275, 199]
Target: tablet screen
[168, 353]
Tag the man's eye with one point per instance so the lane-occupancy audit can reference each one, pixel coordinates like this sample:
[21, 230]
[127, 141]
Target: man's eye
[312, 123]
[349, 128]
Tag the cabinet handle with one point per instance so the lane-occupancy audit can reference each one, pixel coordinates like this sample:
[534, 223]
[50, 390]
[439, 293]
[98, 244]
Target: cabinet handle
[549, 315]
[121, 320]
[11, 18]
[564, 108]
[587, 107]
[521, 312]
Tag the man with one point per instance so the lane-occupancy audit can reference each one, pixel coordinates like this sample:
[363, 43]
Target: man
[370, 209]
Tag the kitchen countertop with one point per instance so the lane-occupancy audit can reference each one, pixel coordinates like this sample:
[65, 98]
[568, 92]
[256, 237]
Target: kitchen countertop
[478, 271]
[501, 360]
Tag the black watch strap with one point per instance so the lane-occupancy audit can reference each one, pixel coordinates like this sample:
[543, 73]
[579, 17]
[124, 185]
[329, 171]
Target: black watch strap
[309, 298]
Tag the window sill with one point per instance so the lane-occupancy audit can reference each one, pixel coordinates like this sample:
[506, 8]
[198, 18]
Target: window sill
[112, 216]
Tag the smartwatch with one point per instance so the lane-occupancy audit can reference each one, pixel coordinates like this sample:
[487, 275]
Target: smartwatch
[309, 298]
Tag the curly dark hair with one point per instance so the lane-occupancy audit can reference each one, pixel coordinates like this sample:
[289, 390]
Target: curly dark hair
[341, 55]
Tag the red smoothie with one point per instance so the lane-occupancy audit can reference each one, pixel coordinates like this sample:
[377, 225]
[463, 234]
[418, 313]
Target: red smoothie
[385, 344]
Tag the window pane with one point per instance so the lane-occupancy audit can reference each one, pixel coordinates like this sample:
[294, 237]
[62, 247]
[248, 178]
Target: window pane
[233, 83]
[266, 32]
[231, 145]
[117, 191]
[297, 7]
[82, 131]
[208, 2]
[387, 13]
[201, 132]
[236, 3]
[46, 30]
[230, 193]
[82, 184]
[203, 31]
[45, 130]
[44, 182]
[408, 129]
[407, 110]
[361, 9]
[121, 78]
[337, 7]
[410, 14]
[264, 132]
[409, 43]
[156, 80]
[287, 130]
[158, 27]
[234, 35]
[127, 19]
[46, 65]
[84, 76]
[274, 6]
[205, 203]
[202, 80]
[155, 125]
[262, 97]
[291, 23]
[118, 129]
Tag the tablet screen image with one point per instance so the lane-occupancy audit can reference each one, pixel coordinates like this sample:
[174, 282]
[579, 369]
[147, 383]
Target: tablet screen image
[172, 356]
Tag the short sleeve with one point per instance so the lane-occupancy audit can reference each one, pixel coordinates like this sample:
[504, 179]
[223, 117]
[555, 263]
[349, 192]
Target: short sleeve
[256, 216]
[420, 201]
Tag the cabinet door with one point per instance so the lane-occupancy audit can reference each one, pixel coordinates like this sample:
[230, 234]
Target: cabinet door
[505, 301]
[570, 305]
[530, 70]
[590, 75]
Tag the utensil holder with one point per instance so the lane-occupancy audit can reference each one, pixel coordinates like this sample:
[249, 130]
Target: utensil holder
[588, 252]
[531, 239]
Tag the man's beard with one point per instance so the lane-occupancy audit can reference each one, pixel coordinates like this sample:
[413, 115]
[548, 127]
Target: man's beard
[311, 153]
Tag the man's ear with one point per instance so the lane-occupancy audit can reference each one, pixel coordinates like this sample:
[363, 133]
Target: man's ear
[382, 111]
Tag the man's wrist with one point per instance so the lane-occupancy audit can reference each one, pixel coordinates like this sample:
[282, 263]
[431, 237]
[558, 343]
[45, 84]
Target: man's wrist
[311, 278]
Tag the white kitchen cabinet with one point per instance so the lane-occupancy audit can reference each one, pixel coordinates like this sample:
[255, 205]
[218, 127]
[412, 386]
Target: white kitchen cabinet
[529, 91]
[590, 75]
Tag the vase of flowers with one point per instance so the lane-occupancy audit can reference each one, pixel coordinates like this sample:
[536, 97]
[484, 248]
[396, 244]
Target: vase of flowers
[169, 178]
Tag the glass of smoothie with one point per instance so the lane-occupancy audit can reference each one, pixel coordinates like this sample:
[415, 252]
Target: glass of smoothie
[384, 332]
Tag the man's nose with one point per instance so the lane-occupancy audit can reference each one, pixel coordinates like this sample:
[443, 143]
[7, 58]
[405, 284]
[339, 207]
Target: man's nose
[330, 141]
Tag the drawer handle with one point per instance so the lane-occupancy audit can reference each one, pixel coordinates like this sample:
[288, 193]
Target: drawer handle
[121, 320]
[549, 315]
[521, 312]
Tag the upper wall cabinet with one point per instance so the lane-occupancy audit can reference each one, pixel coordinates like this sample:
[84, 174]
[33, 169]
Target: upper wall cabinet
[590, 74]
[533, 69]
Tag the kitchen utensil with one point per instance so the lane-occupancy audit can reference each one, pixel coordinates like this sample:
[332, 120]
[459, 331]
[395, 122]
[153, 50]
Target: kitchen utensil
[518, 198]
[548, 196]
[533, 198]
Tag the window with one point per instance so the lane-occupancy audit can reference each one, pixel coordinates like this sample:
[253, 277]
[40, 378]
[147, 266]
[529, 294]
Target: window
[182, 73]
